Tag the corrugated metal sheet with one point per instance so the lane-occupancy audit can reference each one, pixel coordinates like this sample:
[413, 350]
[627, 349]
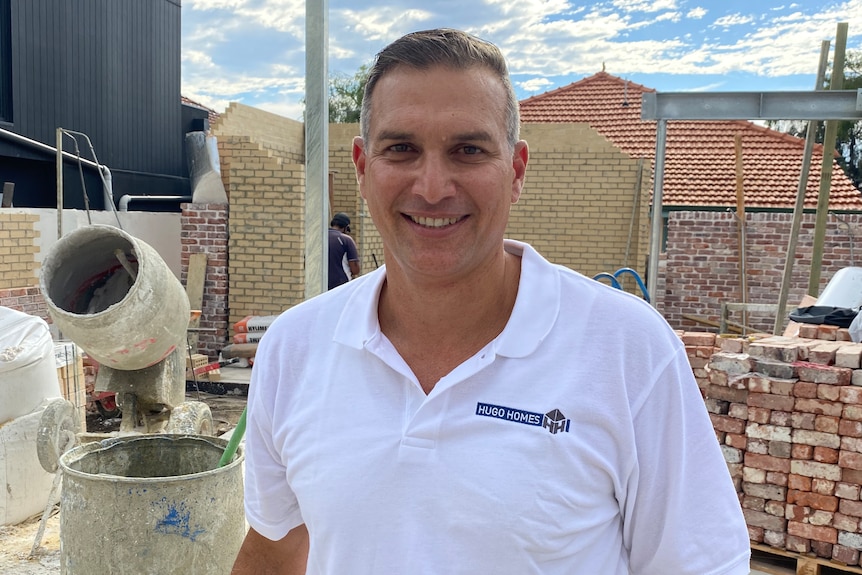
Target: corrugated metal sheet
[107, 68]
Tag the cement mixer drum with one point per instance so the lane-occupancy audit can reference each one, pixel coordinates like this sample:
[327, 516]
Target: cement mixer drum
[114, 296]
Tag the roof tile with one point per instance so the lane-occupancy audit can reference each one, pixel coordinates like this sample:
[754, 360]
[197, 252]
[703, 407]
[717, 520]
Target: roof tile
[700, 156]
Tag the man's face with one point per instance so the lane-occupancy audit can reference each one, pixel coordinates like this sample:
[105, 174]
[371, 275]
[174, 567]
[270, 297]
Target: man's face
[438, 174]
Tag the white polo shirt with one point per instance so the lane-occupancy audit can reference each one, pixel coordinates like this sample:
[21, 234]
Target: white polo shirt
[575, 442]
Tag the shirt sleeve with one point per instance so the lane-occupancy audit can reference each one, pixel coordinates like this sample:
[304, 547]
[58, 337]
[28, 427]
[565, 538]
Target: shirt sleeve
[682, 514]
[271, 507]
[352, 254]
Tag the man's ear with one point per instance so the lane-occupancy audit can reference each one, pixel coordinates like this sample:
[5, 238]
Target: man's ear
[359, 160]
[519, 164]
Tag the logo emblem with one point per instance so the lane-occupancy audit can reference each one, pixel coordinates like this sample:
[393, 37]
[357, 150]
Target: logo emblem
[554, 421]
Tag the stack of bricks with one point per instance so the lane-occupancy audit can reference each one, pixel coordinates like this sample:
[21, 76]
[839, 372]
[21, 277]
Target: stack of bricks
[787, 412]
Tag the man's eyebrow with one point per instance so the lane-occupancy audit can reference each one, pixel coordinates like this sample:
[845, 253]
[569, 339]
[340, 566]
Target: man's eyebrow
[477, 136]
[391, 135]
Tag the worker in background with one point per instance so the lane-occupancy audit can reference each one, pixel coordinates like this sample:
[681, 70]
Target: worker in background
[471, 407]
[343, 257]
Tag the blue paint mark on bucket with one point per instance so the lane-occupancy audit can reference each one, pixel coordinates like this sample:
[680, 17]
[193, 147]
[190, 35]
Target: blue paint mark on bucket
[176, 520]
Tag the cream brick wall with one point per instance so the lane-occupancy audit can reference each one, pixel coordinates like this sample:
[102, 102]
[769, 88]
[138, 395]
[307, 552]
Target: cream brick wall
[583, 205]
[277, 134]
[18, 250]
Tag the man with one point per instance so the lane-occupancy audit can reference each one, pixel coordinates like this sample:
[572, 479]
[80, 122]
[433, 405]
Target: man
[343, 257]
[470, 407]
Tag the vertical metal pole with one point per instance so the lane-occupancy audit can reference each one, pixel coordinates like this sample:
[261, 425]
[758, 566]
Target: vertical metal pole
[59, 183]
[798, 208]
[826, 170]
[657, 221]
[316, 147]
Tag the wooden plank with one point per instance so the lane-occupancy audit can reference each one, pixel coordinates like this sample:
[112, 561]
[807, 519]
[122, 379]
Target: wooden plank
[195, 280]
[804, 564]
[740, 220]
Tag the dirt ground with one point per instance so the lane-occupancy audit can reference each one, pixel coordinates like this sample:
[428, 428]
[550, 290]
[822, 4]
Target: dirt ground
[16, 541]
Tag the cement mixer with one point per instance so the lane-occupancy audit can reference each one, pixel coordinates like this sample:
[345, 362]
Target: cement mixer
[114, 296]
[175, 495]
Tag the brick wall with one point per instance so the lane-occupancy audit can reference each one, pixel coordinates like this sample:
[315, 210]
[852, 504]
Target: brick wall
[19, 266]
[205, 230]
[262, 157]
[18, 249]
[584, 204]
[702, 262]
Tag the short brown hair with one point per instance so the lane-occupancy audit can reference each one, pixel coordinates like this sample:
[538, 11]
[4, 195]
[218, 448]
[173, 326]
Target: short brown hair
[441, 47]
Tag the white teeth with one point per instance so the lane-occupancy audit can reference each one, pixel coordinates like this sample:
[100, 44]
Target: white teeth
[434, 222]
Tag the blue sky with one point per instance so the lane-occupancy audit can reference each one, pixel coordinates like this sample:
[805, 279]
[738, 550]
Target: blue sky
[253, 51]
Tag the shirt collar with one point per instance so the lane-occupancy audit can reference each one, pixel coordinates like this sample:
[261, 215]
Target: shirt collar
[533, 316]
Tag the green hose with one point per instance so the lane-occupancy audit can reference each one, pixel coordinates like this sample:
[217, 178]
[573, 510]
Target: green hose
[233, 442]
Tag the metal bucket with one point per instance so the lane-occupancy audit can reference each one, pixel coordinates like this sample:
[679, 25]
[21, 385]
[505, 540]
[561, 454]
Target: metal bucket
[150, 504]
[115, 296]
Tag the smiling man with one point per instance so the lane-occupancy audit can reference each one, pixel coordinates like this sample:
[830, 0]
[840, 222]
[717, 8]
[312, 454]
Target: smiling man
[470, 407]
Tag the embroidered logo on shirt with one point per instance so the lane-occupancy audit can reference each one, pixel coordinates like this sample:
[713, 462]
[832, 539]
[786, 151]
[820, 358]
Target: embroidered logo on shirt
[554, 421]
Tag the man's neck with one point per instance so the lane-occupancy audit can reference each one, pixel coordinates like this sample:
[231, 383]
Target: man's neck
[452, 321]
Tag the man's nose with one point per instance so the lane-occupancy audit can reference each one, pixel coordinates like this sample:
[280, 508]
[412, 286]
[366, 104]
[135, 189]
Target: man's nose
[434, 179]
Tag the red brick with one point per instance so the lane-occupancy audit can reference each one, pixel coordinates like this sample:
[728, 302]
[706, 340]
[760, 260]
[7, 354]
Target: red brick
[823, 487]
[798, 544]
[736, 440]
[826, 424]
[803, 452]
[850, 428]
[801, 420]
[825, 455]
[850, 459]
[851, 508]
[767, 462]
[727, 424]
[782, 386]
[850, 394]
[770, 401]
[805, 389]
[759, 414]
[698, 338]
[847, 523]
[828, 392]
[812, 500]
[851, 476]
[851, 444]
[819, 407]
[816, 373]
[846, 555]
[798, 482]
[852, 411]
[776, 478]
[813, 532]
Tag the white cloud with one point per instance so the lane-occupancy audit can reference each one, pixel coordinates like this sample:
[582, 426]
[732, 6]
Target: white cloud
[732, 20]
[645, 5]
[534, 85]
[254, 49]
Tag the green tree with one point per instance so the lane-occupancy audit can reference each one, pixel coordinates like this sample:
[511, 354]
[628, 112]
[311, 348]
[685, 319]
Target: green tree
[345, 96]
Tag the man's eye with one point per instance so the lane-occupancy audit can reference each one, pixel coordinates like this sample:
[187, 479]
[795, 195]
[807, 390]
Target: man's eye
[399, 148]
[471, 150]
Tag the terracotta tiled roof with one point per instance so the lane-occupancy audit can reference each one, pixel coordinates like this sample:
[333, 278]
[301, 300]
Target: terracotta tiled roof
[700, 157]
[213, 115]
